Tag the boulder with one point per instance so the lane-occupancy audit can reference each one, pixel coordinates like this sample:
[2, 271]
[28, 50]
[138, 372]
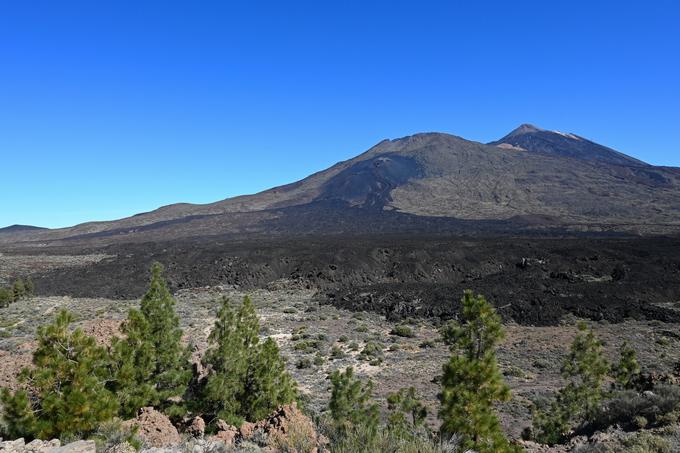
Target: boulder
[196, 427]
[288, 429]
[81, 446]
[154, 428]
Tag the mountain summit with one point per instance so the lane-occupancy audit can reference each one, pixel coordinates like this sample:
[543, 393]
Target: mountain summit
[532, 138]
[530, 179]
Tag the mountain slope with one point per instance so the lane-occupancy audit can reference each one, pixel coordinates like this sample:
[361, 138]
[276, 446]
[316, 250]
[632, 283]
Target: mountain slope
[431, 182]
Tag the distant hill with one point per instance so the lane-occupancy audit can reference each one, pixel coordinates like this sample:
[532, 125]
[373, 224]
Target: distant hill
[530, 180]
[17, 228]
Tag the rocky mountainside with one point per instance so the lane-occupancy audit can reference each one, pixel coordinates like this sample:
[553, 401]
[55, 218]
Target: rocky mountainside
[434, 182]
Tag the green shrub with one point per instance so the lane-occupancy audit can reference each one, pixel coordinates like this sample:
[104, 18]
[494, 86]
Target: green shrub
[303, 363]
[337, 353]
[403, 331]
[307, 345]
[427, 344]
[656, 407]
[363, 328]
[361, 439]
[645, 442]
[372, 352]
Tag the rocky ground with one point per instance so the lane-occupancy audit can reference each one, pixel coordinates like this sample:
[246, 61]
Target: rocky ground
[317, 339]
[532, 280]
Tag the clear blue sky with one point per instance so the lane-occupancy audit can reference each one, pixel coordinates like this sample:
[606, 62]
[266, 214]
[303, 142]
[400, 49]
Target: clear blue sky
[109, 108]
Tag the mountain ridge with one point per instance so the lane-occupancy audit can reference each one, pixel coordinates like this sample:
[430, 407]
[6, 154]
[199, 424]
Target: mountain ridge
[530, 173]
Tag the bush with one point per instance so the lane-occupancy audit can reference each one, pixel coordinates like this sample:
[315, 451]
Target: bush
[307, 345]
[113, 432]
[372, 352]
[337, 353]
[657, 408]
[403, 331]
[361, 439]
[303, 363]
[427, 344]
[646, 442]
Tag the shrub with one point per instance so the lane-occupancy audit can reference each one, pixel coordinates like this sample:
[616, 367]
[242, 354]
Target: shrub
[403, 331]
[372, 351]
[307, 345]
[362, 439]
[112, 433]
[645, 442]
[657, 408]
[427, 344]
[337, 353]
[303, 363]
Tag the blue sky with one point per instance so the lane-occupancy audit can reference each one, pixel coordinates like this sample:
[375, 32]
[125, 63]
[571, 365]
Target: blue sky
[113, 108]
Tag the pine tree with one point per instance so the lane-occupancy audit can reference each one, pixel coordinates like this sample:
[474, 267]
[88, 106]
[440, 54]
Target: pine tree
[152, 365]
[586, 368]
[472, 382]
[134, 366]
[227, 362]
[29, 287]
[351, 403]
[6, 296]
[247, 379]
[403, 405]
[627, 371]
[67, 394]
[18, 289]
[268, 384]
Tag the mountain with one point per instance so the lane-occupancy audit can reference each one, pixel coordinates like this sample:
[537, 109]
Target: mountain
[556, 143]
[531, 179]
